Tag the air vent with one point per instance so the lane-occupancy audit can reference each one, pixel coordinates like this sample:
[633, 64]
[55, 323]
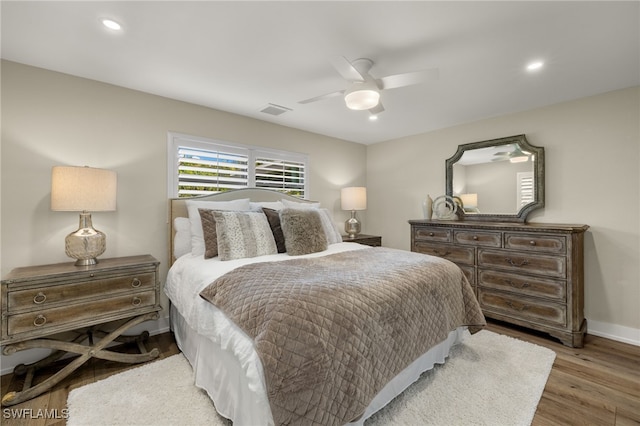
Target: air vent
[274, 109]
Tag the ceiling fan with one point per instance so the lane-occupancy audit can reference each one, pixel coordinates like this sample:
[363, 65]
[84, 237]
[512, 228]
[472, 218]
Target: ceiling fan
[363, 90]
[516, 156]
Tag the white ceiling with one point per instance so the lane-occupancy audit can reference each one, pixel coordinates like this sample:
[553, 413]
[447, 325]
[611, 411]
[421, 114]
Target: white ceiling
[240, 56]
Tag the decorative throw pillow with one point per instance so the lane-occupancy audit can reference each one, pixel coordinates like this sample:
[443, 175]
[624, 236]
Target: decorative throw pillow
[209, 233]
[243, 234]
[182, 237]
[303, 231]
[197, 237]
[276, 228]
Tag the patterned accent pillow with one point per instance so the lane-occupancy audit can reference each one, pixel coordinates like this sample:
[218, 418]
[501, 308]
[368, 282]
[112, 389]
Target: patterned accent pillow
[303, 231]
[243, 234]
[276, 228]
[209, 233]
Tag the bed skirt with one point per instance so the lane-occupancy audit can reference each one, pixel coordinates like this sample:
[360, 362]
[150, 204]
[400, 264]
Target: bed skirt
[219, 372]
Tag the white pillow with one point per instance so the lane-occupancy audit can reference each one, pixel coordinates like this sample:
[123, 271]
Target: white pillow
[182, 238]
[273, 205]
[296, 205]
[330, 228]
[197, 235]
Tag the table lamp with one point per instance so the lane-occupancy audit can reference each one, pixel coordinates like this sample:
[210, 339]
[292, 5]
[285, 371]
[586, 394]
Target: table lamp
[83, 189]
[353, 198]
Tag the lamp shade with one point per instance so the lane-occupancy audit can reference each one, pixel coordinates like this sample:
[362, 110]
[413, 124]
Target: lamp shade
[469, 200]
[354, 198]
[83, 189]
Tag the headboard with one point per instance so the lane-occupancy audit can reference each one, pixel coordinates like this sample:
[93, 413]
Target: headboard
[178, 207]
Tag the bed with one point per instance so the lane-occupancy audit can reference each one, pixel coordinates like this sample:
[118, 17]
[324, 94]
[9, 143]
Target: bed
[309, 330]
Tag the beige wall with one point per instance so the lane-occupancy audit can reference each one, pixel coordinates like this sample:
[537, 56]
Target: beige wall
[53, 119]
[592, 148]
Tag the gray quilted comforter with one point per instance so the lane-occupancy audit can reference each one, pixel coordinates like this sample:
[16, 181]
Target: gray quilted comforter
[332, 331]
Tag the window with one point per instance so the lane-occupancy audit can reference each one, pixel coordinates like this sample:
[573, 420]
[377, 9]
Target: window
[200, 166]
[525, 189]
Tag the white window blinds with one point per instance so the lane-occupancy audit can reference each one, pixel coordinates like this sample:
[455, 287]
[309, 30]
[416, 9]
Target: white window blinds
[199, 166]
[525, 189]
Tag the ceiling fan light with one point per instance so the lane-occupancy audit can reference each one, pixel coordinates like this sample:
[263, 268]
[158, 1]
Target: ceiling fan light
[362, 99]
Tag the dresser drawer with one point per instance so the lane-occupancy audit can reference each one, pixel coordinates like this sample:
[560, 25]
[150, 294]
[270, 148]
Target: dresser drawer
[479, 238]
[551, 266]
[470, 273]
[518, 306]
[523, 284]
[38, 298]
[81, 313]
[438, 235]
[538, 243]
[456, 254]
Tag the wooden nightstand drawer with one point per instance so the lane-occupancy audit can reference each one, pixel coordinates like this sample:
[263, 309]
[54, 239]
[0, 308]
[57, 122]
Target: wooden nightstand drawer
[367, 240]
[456, 254]
[538, 243]
[82, 314]
[551, 266]
[42, 297]
[478, 238]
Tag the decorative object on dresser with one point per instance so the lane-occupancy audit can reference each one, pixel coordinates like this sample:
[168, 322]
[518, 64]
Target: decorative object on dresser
[445, 208]
[526, 274]
[353, 198]
[369, 240]
[427, 207]
[39, 302]
[83, 189]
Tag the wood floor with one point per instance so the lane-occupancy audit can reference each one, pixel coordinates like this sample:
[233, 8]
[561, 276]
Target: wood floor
[595, 385]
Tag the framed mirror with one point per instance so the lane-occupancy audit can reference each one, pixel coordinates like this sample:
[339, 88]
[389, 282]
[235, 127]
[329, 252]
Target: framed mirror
[496, 180]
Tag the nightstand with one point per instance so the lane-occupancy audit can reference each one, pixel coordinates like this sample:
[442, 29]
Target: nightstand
[369, 240]
[41, 301]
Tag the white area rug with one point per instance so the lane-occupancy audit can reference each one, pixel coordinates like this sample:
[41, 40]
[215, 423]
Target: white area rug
[489, 379]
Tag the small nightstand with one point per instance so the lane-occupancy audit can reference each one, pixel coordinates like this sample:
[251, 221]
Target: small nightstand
[369, 240]
[41, 301]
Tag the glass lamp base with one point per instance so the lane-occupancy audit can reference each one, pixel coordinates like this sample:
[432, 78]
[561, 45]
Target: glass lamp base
[352, 225]
[86, 243]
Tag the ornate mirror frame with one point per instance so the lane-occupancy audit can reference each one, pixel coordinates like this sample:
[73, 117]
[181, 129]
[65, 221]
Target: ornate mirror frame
[538, 167]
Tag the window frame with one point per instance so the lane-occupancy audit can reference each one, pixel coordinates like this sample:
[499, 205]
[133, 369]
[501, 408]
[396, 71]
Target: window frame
[176, 140]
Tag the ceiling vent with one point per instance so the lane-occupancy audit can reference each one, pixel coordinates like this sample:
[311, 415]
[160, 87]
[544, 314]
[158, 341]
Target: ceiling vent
[274, 109]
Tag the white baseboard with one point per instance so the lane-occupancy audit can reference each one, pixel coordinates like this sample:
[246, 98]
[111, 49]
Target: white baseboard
[615, 332]
[9, 362]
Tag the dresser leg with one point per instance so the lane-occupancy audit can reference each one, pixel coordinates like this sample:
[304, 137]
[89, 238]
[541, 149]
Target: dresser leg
[96, 350]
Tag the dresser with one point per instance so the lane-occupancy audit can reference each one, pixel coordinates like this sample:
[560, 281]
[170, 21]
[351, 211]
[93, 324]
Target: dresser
[40, 302]
[525, 274]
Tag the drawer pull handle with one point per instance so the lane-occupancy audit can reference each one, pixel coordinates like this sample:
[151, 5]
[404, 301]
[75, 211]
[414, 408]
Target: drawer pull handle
[431, 234]
[475, 238]
[39, 298]
[512, 263]
[516, 285]
[136, 301]
[532, 243]
[136, 283]
[445, 254]
[40, 320]
[518, 308]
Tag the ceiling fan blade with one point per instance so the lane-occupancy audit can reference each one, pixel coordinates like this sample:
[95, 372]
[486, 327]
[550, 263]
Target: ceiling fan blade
[408, 79]
[377, 109]
[346, 69]
[322, 97]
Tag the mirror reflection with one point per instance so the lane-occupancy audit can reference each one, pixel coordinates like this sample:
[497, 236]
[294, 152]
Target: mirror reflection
[499, 179]
[496, 180]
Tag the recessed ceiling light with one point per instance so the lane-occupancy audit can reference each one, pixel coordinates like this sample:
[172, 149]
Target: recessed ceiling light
[373, 117]
[534, 66]
[111, 24]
